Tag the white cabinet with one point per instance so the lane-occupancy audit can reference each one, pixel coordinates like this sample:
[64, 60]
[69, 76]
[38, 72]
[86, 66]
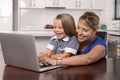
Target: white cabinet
[69, 4]
[85, 4]
[32, 3]
[55, 3]
[41, 3]
[78, 4]
[5, 15]
[97, 4]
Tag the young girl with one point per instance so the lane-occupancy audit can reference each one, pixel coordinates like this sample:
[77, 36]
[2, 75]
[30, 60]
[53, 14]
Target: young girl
[64, 43]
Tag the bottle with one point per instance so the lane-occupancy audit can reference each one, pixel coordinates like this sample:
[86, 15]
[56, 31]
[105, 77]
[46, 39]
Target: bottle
[103, 27]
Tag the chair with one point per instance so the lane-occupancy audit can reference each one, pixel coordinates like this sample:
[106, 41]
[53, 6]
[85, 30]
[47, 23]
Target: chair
[102, 34]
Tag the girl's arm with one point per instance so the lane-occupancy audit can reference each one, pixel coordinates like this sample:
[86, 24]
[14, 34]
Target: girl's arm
[47, 53]
[62, 55]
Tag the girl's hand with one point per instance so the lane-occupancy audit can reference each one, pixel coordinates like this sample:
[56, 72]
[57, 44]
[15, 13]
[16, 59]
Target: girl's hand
[41, 58]
[41, 55]
[50, 61]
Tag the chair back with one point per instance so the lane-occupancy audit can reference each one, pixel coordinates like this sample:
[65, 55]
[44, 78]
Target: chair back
[102, 34]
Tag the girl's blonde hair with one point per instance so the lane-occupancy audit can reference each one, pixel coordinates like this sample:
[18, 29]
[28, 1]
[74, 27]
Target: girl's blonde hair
[68, 23]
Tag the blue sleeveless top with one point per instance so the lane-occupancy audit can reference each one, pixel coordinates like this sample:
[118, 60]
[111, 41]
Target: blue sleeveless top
[97, 41]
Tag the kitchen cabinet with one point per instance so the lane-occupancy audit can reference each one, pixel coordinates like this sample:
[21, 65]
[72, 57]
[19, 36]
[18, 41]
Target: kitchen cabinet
[32, 3]
[85, 4]
[55, 3]
[42, 3]
[78, 4]
[69, 4]
[5, 15]
[97, 4]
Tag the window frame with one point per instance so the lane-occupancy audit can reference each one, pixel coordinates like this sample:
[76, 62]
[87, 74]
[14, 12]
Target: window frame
[117, 8]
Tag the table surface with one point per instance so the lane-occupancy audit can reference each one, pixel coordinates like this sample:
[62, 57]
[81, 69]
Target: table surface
[108, 69]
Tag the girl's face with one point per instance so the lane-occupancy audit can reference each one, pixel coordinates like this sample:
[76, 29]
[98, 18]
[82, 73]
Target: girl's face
[58, 29]
[84, 33]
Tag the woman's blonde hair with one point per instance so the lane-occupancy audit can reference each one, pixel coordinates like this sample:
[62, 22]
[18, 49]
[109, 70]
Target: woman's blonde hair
[68, 23]
[91, 20]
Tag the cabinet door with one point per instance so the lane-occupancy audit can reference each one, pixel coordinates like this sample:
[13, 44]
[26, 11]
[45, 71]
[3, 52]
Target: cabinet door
[39, 3]
[98, 4]
[32, 3]
[25, 3]
[72, 4]
[54, 3]
[78, 4]
[85, 4]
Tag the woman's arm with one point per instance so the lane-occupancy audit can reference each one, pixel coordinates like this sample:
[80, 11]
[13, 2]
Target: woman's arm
[97, 53]
[62, 55]
[94, 55]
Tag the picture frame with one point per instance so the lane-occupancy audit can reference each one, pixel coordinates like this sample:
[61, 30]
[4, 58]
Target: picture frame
[117, 9]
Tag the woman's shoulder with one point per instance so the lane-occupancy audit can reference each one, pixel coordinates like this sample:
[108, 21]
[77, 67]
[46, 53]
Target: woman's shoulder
[99, 41]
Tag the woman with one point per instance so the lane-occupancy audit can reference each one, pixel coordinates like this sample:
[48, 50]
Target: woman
[92, 48]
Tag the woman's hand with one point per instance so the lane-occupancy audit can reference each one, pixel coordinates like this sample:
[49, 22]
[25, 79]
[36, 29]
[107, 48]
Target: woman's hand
[50, 61]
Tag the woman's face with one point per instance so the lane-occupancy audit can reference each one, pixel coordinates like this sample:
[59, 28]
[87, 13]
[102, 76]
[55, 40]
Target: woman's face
[84, 33]
[58, 29]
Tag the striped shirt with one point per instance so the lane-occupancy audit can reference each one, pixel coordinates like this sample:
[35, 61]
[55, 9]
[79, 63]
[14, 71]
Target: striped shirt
[67, 44]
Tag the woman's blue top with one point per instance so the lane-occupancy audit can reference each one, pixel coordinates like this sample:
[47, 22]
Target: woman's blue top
[97, 41]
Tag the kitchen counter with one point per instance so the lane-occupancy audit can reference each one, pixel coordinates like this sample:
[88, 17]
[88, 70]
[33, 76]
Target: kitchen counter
[41, 33]
[49, 32]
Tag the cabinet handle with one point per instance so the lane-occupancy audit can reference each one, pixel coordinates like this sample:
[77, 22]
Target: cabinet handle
[91, 3]
[53, 2]
[79, 4]
[34, 3]
[30, 3]
[76, 4]
[57, 3]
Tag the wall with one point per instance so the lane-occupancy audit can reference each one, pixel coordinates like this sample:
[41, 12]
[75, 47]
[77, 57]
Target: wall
[5, 15]
[36, 19]
[41, 43]
[107, 14]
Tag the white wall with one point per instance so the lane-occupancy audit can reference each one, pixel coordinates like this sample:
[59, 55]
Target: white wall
[107, 14]
[41, 43]
[36, 19]
[5, 15]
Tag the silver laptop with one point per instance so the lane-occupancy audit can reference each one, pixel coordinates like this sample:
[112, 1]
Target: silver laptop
[19, 50]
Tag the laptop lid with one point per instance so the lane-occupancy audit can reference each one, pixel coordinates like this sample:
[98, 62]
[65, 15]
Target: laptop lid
[19, 50]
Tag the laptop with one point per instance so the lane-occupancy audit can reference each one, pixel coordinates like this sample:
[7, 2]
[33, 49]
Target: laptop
[19, 50]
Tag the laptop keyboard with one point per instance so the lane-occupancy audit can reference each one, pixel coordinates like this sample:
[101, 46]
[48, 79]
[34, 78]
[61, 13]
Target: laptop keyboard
[42, 65]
